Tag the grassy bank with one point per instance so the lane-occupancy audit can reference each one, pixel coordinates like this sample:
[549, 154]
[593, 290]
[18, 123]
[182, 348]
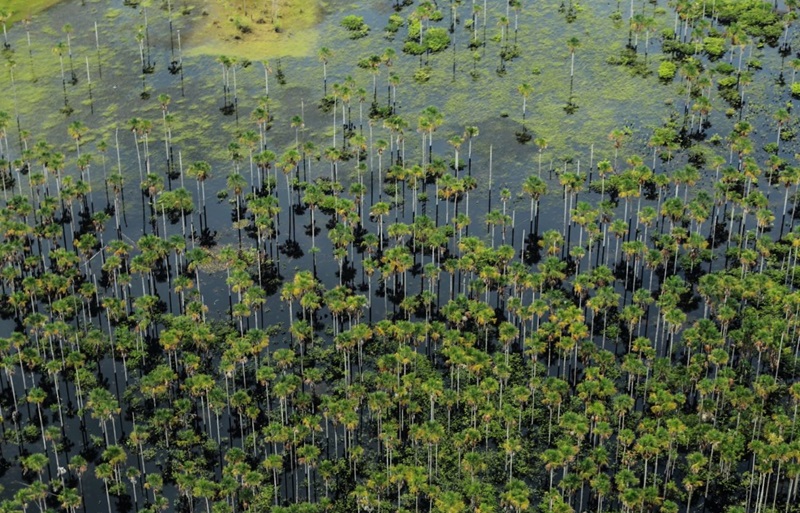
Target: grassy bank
[255, 30]
[21, 9]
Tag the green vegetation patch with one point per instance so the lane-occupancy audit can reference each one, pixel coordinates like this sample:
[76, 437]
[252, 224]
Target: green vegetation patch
[262, 30]
[16, 10]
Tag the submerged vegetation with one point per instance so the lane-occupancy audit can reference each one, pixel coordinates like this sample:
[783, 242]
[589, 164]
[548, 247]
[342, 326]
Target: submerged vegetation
[498, 256]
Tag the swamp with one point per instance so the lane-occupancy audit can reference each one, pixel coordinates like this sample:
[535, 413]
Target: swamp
[399, 255]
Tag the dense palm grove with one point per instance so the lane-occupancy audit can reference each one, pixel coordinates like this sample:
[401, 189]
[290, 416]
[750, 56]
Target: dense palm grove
[466, 348]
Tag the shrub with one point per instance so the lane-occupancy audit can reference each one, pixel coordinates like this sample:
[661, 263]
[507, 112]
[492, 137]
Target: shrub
[368, 62]
[358, 34]
[413, 30]
[667, 70]
[436, 39]
[395, 22]
[413, 48]
[242, 26]
[714, 47]
[422, 75]
[728, 82]
[729, 92]
[677, 49]
[754, 64]
[353, 23]
[796, 89]
[724, 68]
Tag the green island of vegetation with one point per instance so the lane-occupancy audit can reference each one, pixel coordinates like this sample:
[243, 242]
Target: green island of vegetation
[413, 256]
[256, 29]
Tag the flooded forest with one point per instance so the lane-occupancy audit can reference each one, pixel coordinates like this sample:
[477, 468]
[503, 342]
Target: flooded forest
[437, 256]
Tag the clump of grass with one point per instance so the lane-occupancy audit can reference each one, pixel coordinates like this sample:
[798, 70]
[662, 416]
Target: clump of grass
[394, 24]
[242, 26]
[422, 75]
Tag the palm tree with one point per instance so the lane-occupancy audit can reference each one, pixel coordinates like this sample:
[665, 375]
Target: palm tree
[379, 210]
[516, 496]
[37, 396]
[205, 489]
[70, 499]
[201, 171]
[781, 118]
[307, 455]
[5, 15]
[535, 188]
[197, 258]
[105, 473]
[59, 50]
[525, 90]
[456, 141]
[267, 70]
[324, 54]
[76, 131]
[228, 63]
[573, 43]
[35, 464]
[448, 502]
[617, 137]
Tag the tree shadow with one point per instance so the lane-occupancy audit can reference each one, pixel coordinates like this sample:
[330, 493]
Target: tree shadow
[291, 248]
[523, 136]
[532, 250]
[207, 238]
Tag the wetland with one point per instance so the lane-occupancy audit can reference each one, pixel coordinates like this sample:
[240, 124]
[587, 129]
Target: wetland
[447, 256]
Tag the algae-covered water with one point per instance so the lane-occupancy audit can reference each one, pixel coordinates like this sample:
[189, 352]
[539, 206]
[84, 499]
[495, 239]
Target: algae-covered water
[463, 83]
[607, 96]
